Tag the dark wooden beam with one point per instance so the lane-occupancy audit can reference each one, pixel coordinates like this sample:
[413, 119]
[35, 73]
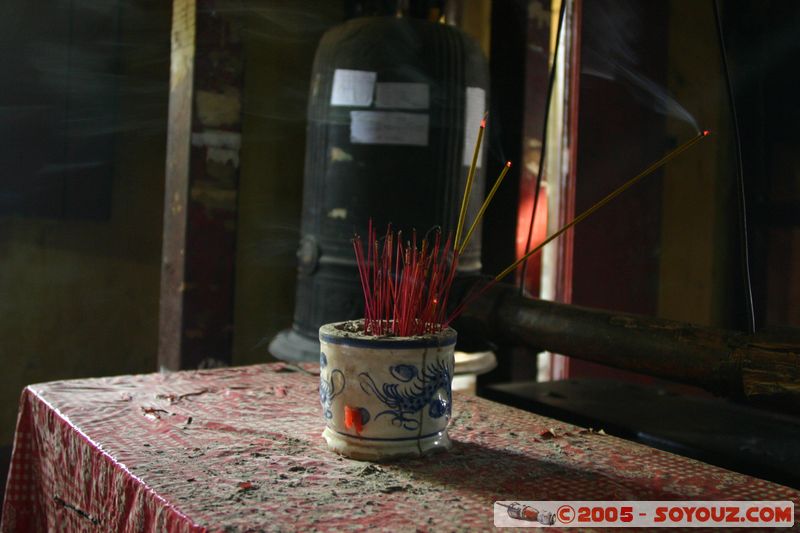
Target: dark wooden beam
[730, 363]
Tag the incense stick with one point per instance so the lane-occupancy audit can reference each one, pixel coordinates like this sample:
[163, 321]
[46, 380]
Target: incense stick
[468, 189]
[405, 287]
[412, 298]
[649, 170]
[484, 206]
[627, 185]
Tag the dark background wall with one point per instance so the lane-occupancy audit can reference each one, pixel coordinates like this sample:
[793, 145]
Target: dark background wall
[79, 297]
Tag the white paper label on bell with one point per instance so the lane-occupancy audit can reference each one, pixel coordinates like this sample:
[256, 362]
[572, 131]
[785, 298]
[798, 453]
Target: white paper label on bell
[388, 127]
[473, 114]
[353, 87]
[402, 95]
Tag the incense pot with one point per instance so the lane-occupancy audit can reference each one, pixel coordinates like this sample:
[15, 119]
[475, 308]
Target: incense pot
[385, 397]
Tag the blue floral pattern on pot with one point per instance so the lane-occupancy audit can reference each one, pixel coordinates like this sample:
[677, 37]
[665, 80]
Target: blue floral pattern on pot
[330, 389]
[431, 388]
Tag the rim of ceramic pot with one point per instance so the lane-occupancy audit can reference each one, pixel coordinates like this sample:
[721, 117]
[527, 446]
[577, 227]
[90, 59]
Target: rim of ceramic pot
[334, 333]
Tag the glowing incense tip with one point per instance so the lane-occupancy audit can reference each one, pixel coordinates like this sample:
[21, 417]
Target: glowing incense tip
[483, 120]
[508, 164]
[706, 133]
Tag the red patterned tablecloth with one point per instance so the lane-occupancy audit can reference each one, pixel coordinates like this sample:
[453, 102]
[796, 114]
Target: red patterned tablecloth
[240, 449]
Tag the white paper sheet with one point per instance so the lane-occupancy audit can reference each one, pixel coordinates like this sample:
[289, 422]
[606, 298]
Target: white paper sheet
[388, 127]
[353, 87]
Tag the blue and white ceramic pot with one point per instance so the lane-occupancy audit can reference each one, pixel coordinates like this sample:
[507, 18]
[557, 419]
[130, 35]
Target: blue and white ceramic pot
[385, 397]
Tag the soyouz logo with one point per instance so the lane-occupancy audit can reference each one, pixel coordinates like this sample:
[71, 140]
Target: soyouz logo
[511, 513]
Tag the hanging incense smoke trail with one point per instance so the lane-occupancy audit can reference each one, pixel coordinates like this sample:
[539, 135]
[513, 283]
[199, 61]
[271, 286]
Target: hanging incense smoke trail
[612, 37]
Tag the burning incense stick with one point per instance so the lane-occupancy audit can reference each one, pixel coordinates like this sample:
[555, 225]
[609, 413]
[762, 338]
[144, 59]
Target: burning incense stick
[470, 177]
[406, 289]
[627, 185]
[484, 206]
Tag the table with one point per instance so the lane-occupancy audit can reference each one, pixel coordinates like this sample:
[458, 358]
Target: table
[240, 449]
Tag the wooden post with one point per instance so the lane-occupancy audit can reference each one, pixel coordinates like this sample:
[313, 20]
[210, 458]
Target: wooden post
[176, 187]
[200, 193]
[697, 280]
